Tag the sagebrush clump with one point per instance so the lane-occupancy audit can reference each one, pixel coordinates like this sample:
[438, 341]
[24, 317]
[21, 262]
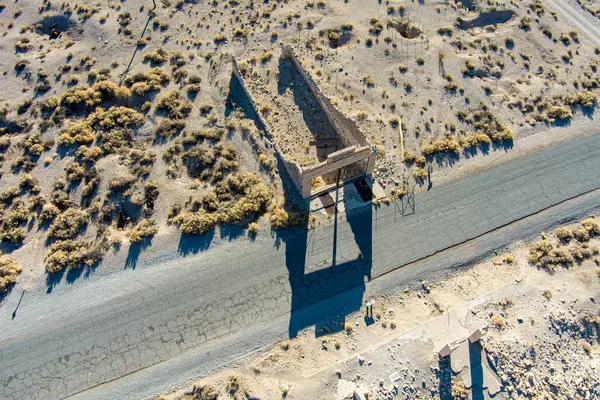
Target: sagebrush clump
[9, 273]
[233, 200]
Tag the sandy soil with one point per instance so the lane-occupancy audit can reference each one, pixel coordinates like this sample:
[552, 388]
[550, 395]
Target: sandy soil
[545, 326]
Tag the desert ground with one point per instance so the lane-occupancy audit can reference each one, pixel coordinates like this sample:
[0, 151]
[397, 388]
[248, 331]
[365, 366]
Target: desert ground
[121, 123]
[537, 302]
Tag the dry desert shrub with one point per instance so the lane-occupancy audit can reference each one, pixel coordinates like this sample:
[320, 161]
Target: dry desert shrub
[159, 56]
[68, 224]
[253, 227]
[113, 128]
[74, 254]
[202, 392]
[498, 322]
[9, 273]
[279, 218]
[591, 225]
[122, 185]
[233, 384]
[445, 145]
[482, 120]
[168, 128]
[234, 199]
[147, 82]
[175, 105]
[459, 391]
[142, 230]
[210, 163]
[564, 234]
[542, 254]
[420, 174]
[559, 113]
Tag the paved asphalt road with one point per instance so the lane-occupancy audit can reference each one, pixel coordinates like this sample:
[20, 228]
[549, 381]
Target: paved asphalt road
[155, 328]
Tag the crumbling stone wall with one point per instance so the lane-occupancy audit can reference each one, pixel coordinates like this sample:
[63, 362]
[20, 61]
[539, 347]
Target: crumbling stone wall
[293, 168]
[348, 132]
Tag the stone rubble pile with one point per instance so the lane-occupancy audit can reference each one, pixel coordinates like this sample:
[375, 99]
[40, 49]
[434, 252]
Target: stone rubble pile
[556, 366]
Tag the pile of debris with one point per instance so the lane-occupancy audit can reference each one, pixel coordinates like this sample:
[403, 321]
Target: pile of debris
[558, 365]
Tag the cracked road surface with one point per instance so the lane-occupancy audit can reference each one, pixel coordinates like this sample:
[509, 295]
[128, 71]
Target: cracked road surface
[137, 333]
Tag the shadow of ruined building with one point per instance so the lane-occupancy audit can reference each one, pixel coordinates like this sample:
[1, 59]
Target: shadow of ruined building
[338, 285]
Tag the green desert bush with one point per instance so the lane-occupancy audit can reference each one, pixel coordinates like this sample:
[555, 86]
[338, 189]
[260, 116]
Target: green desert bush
[9, 273]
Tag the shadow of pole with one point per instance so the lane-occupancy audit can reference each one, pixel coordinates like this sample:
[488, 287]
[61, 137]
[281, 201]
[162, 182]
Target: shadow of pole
[150, 17]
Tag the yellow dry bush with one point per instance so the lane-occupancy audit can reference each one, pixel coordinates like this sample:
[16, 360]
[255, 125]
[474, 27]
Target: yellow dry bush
[279, 217]
[445, 145]
[591, 225]
[67, 224]
[232, 201]
[159, 56]
[584, 99]
[9, 273]
[253, 227]
[149, 81]
[76, 133]
[420, 173]
[542, 254]
[175, 105]
[195, 223]
[563, 234]
[73, 254]
[143, 230]
[559, 112]
[474, 139]
[116, 117]
[49, 212]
